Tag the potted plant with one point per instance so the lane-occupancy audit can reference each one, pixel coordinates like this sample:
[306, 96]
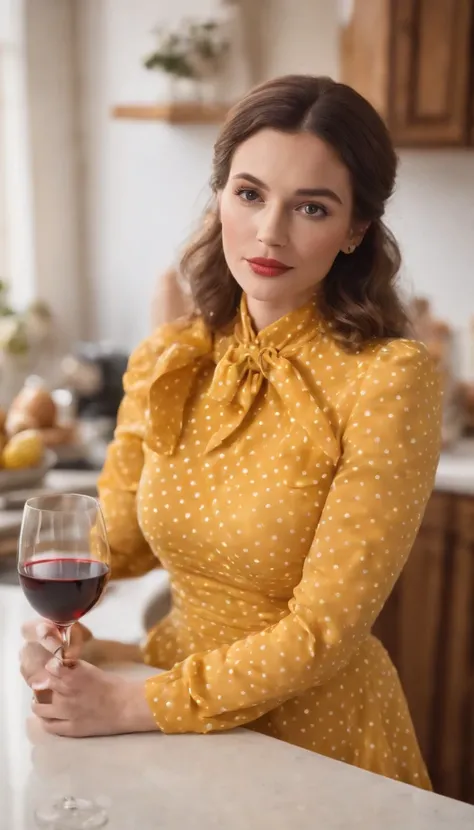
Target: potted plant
[27, 344]
[191, 55]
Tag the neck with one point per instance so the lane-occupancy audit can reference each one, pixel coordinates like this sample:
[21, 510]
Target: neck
[264, 313]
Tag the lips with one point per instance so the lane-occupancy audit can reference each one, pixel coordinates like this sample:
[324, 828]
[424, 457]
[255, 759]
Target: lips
[268, 267]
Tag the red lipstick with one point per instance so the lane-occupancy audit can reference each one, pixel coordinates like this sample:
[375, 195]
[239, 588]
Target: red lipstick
[265, 267]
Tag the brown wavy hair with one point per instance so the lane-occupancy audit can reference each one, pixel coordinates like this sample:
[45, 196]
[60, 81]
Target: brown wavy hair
[358, 297]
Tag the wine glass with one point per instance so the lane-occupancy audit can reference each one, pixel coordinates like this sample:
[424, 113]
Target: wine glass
[63, 568]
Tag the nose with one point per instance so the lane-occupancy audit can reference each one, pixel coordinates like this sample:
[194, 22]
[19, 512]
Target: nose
[272, 230]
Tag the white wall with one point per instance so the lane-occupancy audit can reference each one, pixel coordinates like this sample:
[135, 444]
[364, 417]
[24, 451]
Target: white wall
[432, 215]
[53, 137]
[17, 248]
[146, 182]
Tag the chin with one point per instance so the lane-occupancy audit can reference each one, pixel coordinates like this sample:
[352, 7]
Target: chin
[265, 289]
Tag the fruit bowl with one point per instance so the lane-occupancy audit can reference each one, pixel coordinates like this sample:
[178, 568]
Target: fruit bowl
[27, 476]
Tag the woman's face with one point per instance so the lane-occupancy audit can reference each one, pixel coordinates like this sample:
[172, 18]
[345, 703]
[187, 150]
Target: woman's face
[288, 198]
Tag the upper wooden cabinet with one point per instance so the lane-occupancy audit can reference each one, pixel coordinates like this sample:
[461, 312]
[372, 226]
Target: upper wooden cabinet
[414, 61]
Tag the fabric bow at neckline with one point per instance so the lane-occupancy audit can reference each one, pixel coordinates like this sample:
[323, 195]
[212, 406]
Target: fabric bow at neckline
[250, 359]
[172, 383]
[244, 361]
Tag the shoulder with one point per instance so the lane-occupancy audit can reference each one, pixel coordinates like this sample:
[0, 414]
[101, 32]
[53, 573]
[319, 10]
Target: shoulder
[402, 355]
[189, 332]
[402, 366]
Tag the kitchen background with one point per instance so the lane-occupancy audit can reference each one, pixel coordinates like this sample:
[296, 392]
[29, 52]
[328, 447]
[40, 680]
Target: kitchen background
[103, 174]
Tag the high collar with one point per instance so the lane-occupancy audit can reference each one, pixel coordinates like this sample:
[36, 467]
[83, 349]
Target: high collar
[293, 328]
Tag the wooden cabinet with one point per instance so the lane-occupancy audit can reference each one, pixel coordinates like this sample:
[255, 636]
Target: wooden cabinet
[471, 102]
[414, 61]
[427, 626]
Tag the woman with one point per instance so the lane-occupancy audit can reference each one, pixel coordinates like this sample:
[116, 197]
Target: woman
[275, 453]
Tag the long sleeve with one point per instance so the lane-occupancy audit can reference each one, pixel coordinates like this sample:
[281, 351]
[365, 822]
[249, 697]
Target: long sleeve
[118, 482]
[390, 448]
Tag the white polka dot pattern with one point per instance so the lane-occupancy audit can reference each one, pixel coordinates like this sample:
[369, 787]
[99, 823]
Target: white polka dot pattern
[283, 527]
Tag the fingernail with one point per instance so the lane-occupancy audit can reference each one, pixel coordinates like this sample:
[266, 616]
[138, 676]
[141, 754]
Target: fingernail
[42, 630]
[40, 685]
[53, 665]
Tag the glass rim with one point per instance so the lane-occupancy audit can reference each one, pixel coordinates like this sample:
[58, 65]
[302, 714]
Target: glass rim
[36, 502]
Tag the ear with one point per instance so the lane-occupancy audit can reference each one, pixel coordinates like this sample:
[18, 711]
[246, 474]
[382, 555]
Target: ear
[355, 237]
[358, 231]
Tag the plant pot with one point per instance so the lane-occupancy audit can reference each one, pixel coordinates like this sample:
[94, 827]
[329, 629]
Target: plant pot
[183, 89]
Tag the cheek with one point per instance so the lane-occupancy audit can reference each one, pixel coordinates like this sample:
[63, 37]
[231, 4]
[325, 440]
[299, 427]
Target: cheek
[235, 226]
[324, 241]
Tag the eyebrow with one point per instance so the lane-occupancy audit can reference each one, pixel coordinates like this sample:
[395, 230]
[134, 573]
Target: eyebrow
[302, 191]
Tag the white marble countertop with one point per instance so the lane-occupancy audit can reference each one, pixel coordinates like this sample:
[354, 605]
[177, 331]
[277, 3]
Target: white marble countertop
[229, 781]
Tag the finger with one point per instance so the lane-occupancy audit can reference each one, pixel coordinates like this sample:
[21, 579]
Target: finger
[65, 668]
[44, 632]
[59, 678]
[53, 684]
[49, 636]
[37, 629]
[67, 677]
[80, 634]
[33, 658]
[52, 641]
[39, 682]
[49, 711]
[43, 695]
[86, 633]
[64, 728]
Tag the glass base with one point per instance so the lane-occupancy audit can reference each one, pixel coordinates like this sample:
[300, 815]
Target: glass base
[71, 814]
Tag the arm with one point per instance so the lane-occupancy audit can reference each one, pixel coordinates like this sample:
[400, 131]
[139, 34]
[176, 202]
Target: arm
[366, 531]
[118, 482]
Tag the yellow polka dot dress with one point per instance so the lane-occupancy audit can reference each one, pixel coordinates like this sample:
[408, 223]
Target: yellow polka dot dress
[281, 482]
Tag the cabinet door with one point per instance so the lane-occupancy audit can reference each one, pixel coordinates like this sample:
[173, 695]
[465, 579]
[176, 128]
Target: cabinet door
[471, 97]
[430, 71]
[364, 50]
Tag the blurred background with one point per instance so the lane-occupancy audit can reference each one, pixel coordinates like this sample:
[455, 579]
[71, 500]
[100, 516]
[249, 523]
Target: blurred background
[99, 190]
[108, 114]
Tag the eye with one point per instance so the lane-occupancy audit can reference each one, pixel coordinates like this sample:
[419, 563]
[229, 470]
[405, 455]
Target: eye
[311, 209]
[247, 194]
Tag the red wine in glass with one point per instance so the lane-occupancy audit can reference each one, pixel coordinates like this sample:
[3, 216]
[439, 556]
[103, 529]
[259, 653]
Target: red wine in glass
[63, 589]
[63, 568]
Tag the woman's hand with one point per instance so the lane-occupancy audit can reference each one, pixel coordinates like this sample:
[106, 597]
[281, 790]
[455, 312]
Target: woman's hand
[43, 639]
[89, 701]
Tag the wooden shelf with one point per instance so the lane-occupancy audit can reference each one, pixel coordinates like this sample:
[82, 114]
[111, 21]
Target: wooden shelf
[181, 112]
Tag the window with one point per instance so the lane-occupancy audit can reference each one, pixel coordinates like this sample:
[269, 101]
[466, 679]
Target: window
[17, 260]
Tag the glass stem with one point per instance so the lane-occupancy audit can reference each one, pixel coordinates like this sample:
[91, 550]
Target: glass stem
[69, 802]
[65, 632]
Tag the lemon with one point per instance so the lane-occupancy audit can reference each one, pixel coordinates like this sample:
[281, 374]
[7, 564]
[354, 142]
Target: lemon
[23, 450]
